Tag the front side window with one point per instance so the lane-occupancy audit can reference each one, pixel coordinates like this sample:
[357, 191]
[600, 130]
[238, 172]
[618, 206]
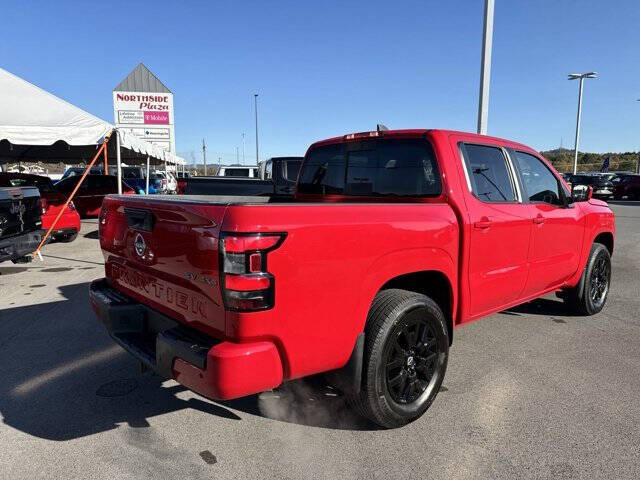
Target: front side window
[488, 173]
[539, 183]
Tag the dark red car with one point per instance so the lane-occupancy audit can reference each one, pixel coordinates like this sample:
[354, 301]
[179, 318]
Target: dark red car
[88, 198]
[68, 225]
[627, 186]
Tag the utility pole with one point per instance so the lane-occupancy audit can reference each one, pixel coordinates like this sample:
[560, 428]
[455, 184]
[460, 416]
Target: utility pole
[485, 70]
[237, 155]
[204, 157]
[243, 148]
[255, 100]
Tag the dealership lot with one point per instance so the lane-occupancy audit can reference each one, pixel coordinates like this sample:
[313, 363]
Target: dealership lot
[529, 393]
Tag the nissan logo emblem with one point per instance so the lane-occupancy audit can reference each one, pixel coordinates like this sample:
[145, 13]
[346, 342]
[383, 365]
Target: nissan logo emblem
[140, 245]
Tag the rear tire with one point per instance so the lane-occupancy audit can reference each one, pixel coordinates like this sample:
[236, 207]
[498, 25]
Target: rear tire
[68, 238]
[590, 295]
[405, 358]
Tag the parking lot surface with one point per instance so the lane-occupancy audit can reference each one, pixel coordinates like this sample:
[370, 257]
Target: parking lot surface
[532, 392]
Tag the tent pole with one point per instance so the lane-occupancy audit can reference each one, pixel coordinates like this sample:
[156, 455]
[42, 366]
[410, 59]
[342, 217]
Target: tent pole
[147, 190]
[106, 162]
[119, 162]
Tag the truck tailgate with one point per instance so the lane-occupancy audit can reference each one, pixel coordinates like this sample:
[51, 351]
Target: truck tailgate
[163, 252]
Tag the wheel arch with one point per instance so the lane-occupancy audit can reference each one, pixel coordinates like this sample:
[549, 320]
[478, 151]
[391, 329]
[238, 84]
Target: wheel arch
[606, 239]
[432, 283]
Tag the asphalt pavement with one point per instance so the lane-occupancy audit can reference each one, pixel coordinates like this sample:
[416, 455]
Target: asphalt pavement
[533, 392]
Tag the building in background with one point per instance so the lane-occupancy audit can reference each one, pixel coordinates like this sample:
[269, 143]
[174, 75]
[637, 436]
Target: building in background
[143, 105]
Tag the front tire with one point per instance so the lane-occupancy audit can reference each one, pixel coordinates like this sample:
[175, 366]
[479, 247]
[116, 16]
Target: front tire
[590, 295]
[405, 358]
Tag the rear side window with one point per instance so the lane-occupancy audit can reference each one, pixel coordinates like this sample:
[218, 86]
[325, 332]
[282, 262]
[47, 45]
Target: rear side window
[236, 172]
[488, 173]
[381, 168]
[539, 183]
[290, 169]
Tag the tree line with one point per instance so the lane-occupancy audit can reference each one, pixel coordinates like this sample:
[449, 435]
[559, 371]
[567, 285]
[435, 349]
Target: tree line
[562, 160]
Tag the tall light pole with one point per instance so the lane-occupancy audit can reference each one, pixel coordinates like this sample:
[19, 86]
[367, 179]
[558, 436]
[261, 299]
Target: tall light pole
[243, 148]
[581, 77]
[255, 104]
[638, 164]
[485, 71]
[204, 157]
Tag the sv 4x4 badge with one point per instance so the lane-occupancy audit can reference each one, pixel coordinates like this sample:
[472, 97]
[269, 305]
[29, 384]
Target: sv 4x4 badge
[195, 277]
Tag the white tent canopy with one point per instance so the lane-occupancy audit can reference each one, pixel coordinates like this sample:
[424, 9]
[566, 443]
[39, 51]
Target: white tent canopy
[30, 116]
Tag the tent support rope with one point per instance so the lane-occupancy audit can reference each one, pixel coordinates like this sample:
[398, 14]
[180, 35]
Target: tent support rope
[103, 148]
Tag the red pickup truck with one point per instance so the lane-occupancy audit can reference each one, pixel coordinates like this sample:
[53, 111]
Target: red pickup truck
[392, 240]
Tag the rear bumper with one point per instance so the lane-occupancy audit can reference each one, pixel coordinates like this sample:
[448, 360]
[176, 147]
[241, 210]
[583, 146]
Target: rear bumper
[19, 245]
[215, 369]
[68, 223]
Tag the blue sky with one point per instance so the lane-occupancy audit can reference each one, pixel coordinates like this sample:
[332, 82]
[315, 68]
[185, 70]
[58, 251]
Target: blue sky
[327, 68]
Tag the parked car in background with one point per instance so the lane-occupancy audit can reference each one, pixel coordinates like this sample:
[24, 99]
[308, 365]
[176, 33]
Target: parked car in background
[627, 186]
[136, 178]
[172, 182]
[88, 199]
[68, 225]
[393, 239]
[181, 182]
[72, 171]
[20, 224]
[602, 186]
[169, 183]
[238, 171]
[276, 176]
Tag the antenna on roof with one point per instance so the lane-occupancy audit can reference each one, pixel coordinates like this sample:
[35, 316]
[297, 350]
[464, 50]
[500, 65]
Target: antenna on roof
[381, 128]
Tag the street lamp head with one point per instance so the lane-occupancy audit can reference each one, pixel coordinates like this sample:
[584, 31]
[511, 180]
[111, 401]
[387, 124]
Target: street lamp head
[575, 76]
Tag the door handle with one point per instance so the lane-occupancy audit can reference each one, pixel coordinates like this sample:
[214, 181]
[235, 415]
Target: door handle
[482, 224]
[538, 220]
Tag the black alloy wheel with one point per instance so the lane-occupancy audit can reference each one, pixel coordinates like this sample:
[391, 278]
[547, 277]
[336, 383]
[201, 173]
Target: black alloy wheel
[599, 281]
[410, 358]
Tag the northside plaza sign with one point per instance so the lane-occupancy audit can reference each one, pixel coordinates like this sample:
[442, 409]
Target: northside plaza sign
[146, 115]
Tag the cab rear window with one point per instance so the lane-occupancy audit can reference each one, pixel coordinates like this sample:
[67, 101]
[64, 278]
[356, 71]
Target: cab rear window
[385, 167]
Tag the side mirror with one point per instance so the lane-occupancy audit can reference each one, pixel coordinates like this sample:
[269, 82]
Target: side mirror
[581, 193]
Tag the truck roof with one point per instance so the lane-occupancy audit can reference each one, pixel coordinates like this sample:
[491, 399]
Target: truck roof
[411, 133]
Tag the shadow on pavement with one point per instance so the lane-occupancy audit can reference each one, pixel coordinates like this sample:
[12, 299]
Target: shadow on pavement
[64, 378]
[541, 306]
[93, 235]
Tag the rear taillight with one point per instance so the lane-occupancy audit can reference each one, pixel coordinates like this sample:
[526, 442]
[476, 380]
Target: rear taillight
[246, 283]
[102, 219]
[43, 204]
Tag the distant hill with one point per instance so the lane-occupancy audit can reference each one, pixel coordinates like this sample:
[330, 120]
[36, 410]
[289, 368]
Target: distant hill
[562, 160]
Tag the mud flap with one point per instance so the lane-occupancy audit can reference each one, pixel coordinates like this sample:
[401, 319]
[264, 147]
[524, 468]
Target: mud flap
[348, 379]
